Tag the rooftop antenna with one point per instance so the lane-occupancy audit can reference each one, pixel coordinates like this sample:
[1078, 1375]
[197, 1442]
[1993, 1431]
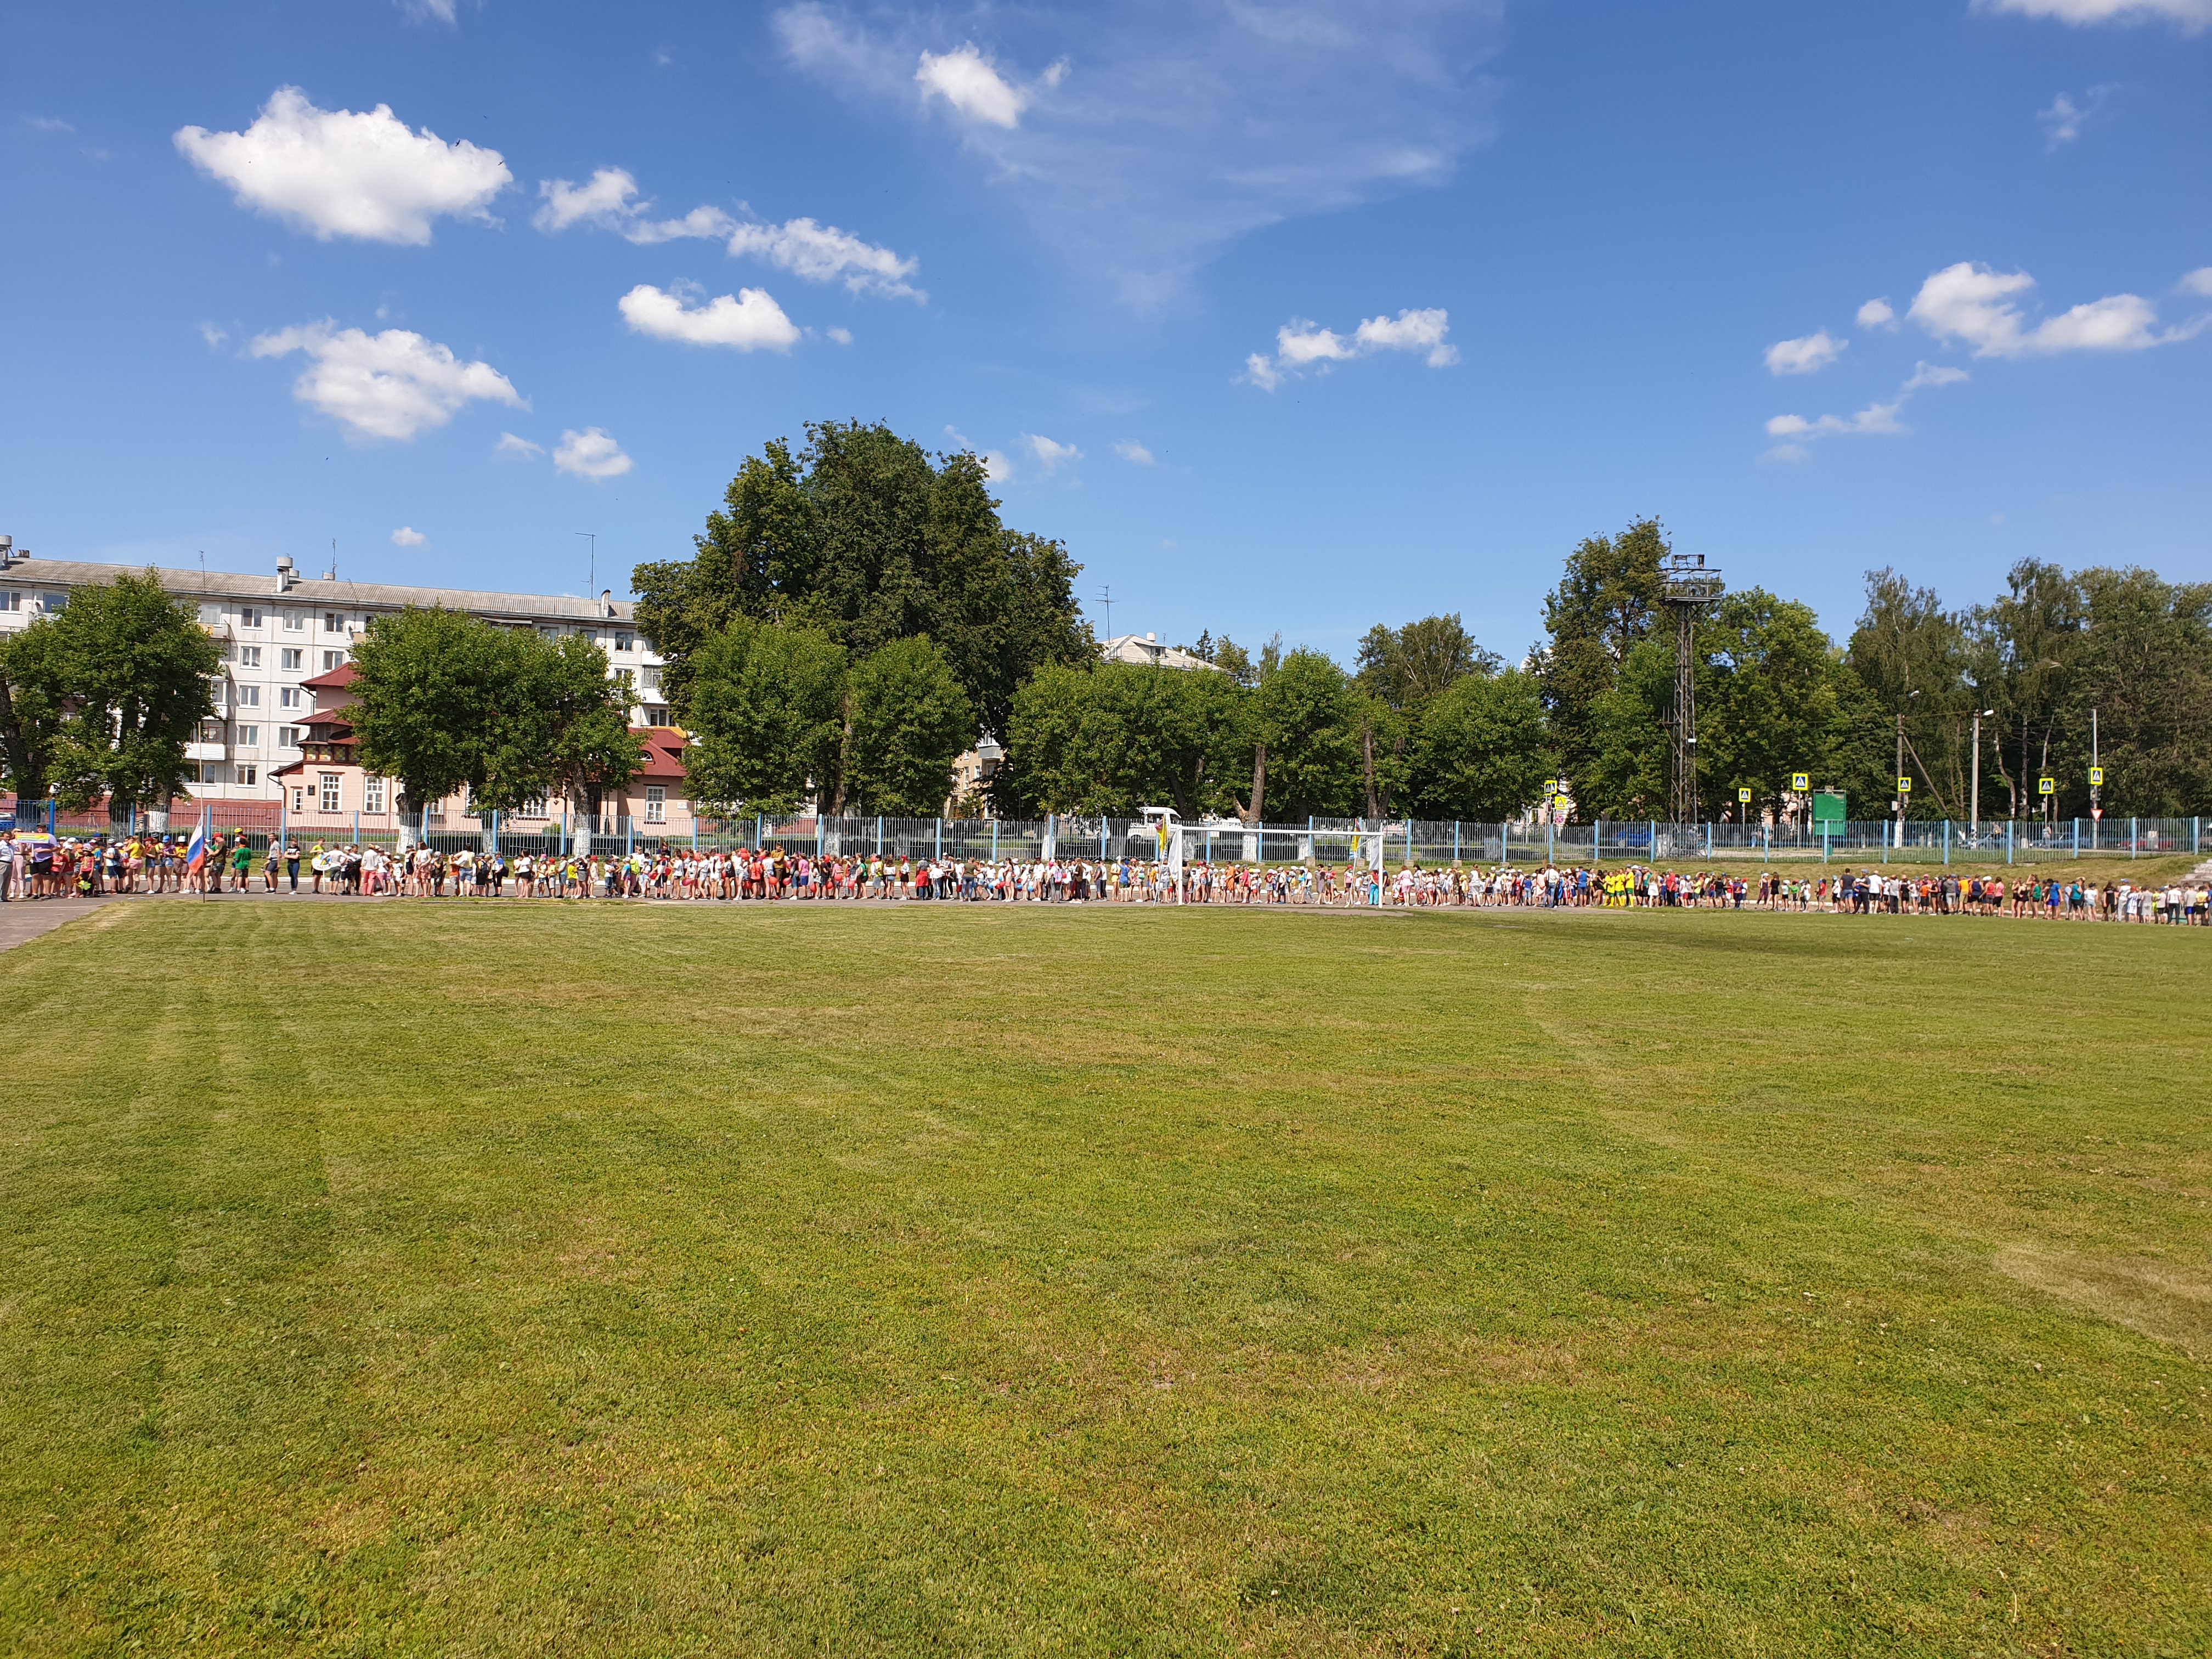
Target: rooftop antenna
[1107, 594]
[333, 576]
[592, 536]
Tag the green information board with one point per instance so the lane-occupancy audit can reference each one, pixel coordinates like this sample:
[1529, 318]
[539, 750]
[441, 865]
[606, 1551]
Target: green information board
[1828, 808]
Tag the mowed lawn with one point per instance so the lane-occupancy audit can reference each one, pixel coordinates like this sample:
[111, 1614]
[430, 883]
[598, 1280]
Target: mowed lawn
[505, 1279]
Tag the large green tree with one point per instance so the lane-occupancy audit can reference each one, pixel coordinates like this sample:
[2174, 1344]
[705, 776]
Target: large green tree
[768, 708]
[1123, 736]
[1407, 666]
[104, 698]
[911, 720]
[1480, 754]
[1607, 602]
[862, 537]
[34, 705]
[1306, 726]
[444, 701]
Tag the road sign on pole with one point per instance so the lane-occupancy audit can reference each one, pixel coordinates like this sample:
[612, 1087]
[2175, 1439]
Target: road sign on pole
[1801, 781]
[1743, 796]
[1904, 785]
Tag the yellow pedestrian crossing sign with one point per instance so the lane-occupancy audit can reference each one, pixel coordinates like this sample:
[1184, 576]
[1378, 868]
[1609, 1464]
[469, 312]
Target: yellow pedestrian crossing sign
[2097, 776]
[2048, 787]
[1904, 785]
[1801, 781]
[1743, 796]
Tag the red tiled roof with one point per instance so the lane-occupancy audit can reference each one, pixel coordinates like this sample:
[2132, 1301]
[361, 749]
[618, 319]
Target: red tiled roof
[337, 680]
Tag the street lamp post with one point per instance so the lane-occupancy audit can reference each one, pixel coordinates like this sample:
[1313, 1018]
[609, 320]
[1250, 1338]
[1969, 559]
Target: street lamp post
[1974, 823]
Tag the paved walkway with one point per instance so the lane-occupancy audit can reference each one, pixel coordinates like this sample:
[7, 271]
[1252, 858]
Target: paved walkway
[24, 918]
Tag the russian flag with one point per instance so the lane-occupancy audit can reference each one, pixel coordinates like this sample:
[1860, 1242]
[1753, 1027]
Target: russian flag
[195, 850]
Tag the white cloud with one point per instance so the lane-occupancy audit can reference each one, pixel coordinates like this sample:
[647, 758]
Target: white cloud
[1975, 305]
[2198, 281]
[1924, 374]
[424, 11]
[1807, 355]
[216, 337]
[1050, 456]
[815, 251]
[591, 454]
[392, 385]
[2188, 15]
[970, 85]
[1874, 418]
[1299, 344]
[407, 537]
[750, 321]
[508, 444]
[1130, 450]
[47, 124]
[842, 336]
[333, 173]
[996, 467]
[1261, 371]
[2064, 120]
[1877, 313]
[1185, 127]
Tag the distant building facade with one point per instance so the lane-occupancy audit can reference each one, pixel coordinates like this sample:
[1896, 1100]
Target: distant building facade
[1146, 652]
[278, 632]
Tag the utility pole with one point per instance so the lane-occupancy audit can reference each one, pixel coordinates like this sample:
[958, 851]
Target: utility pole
[1898, 776]
[1690, 587]
[2096, 772]
[592, 587]
[1107, 594]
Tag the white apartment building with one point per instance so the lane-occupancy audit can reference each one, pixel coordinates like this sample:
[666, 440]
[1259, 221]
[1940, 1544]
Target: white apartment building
[278, 632]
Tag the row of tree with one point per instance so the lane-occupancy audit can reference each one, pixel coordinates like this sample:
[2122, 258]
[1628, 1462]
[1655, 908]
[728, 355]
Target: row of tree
[2105, 666]
[845, 592]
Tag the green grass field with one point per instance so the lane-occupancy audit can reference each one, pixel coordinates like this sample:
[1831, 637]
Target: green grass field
[512, 1279]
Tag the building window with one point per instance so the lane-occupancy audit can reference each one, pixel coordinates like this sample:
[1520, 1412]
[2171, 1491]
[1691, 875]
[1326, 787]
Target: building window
[288, 696]
[331, 660]
[532, 808]
[656, 803]
[372, 794]
[53, 604]
[333, 622]
[657, 715]
[287, 737]
[329, 793]
[11, 601]
[622, 641]
[299, 799]
[249, 616]
[435, 813]
[650, 679]
[625, 679]
[249, 656]
[249, 737]
[249, 775]
[249, 697]
[294, 623]
[210, 731]
[290, 658]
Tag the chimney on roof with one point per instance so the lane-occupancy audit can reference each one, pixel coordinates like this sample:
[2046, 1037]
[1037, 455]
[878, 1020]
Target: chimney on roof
[1151, 638]
[7, 551]
[284, 577]
[606, 602]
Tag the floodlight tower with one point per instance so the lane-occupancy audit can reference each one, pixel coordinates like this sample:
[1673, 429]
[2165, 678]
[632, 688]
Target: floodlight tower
[1690, 585]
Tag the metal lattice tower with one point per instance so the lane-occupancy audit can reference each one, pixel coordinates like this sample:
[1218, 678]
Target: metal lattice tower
[1691, 585]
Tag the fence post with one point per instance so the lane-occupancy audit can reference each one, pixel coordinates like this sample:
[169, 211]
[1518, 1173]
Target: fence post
[1655, 840]
[629, 835]
[1947, 843]
[1551, 841]
[994, 840]
[1709, 840]
[817, 832]
[760, 832]
[2077, 838]
[940, 838]
[2135, 836]
[2007, 840]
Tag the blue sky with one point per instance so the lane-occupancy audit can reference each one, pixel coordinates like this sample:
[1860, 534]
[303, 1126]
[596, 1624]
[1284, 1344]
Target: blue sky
[1284, 316]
